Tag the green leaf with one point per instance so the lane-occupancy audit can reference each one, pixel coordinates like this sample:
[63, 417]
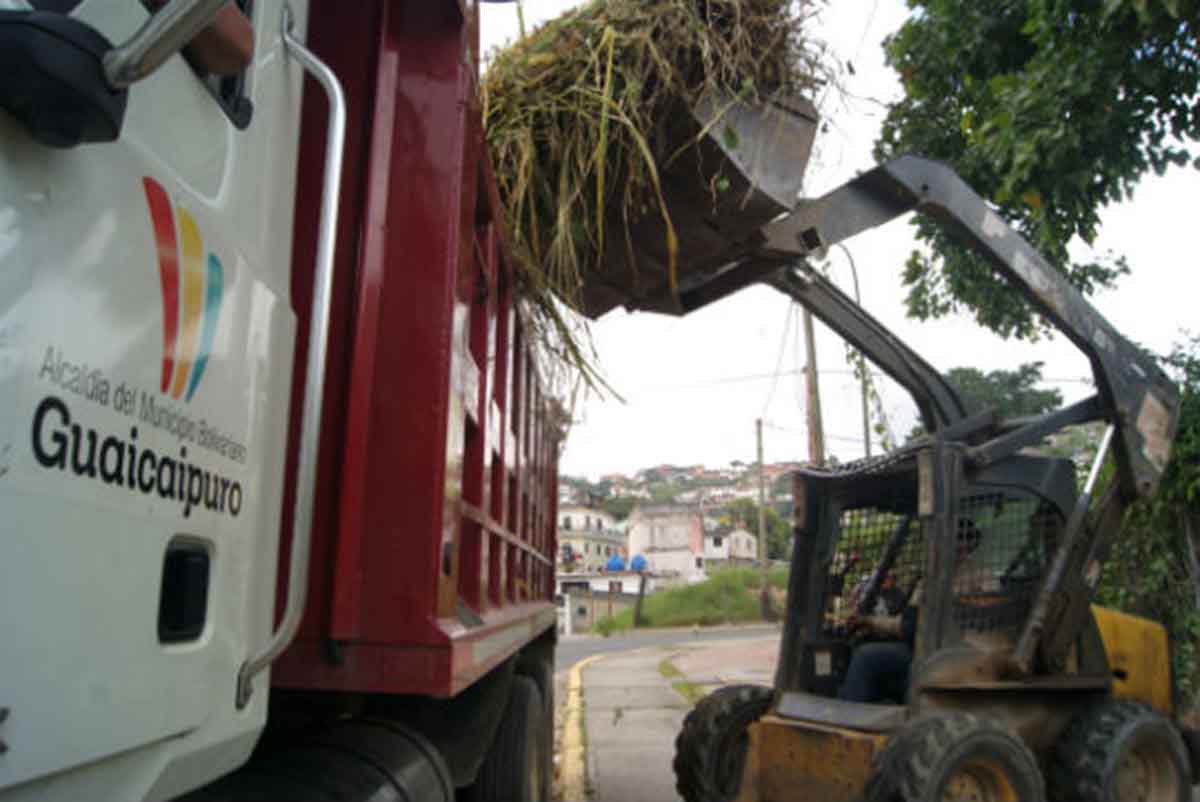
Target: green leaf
[730, 137]
[1052, 109]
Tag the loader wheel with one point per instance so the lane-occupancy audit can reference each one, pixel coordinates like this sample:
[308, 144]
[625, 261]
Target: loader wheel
[956, 757]
[884, 783]
[1120, 752]
[710, 750]
[515, 765]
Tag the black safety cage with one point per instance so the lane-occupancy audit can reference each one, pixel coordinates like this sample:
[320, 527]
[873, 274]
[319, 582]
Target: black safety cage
[870, 535]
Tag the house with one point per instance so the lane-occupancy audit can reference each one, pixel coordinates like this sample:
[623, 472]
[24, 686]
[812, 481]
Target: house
[587, 538]
[729, 546]
[670, 537]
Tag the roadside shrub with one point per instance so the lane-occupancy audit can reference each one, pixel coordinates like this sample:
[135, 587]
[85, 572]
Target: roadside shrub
[728, 596]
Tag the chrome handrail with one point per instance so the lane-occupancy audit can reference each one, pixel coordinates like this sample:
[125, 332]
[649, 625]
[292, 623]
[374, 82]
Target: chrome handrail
[310, 425]
[163, 35]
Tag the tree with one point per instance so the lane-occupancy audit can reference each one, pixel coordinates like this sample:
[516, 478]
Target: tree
[1151, 568]
[664, 493]
[1012, 393]
[744, 513]
[1051, 109]
[619, 507]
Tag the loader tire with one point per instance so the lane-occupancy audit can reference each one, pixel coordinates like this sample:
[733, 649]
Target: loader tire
[710, 750]
[1120, 752]
[883, 785]
[958, 756]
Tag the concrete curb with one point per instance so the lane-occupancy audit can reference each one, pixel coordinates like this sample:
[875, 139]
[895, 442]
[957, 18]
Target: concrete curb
[574, 751]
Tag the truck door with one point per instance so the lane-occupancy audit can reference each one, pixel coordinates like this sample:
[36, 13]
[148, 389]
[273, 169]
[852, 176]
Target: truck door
[146, 339]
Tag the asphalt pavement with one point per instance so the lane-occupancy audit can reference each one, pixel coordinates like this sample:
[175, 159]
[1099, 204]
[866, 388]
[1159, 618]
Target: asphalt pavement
[623, 707]
[573, 648]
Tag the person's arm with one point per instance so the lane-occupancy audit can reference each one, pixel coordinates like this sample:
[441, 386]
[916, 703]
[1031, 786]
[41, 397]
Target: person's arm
[225, 47]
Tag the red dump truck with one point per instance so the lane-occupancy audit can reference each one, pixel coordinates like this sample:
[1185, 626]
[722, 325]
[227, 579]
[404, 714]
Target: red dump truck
[277, 472]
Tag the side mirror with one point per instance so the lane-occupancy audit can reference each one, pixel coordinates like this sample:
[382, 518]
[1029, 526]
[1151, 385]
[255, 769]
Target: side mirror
[66, 83]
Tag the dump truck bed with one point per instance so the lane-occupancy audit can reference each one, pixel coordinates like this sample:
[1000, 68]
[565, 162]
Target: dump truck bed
[433, 538]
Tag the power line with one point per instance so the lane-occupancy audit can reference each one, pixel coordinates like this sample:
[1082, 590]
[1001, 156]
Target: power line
[775, 427]
[799, 371]
[787, 325]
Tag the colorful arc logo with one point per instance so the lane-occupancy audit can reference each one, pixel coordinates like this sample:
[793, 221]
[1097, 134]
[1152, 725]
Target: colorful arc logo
[192, 286]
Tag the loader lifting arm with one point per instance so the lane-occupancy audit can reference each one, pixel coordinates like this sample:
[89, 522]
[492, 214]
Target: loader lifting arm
[937, 400]
[1135, 395]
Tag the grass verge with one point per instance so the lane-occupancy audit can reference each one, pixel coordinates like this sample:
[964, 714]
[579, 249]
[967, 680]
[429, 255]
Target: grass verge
[688, 690]
[727, 597]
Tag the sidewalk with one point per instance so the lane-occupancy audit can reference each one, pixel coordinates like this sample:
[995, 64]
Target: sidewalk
[631, 706]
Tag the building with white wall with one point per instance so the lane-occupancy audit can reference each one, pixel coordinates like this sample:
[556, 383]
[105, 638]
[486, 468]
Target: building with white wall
[588, 537]
[729, 546]
[670, 537]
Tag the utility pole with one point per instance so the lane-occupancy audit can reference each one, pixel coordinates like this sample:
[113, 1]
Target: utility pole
[816, 434]
[765, 595]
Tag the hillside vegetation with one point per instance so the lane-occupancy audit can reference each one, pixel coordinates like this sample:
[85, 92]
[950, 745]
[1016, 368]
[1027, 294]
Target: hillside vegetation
[729, 596]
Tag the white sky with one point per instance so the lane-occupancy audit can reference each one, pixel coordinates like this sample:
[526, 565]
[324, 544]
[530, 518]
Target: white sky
[693, 386]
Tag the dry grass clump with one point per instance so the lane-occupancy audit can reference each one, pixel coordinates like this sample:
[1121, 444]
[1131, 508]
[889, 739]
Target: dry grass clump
[575, 114]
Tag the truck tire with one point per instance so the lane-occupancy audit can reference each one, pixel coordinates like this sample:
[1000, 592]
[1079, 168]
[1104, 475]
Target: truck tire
[516, 763]
[357, 760]
[1119, 752]
[710, 750]
[541, 671]
[952, 756]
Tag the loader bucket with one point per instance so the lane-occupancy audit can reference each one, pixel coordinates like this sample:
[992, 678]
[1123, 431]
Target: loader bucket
[746, 168]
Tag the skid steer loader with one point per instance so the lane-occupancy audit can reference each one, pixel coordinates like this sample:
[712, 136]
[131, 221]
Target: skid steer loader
[1006, 682]
[999, 680]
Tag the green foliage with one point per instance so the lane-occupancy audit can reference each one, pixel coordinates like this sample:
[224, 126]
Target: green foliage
[619, 507]
[1012, 393]
[744, 513]
[664, 493]
[726, 597]
[1051, 109]
[1149, 571]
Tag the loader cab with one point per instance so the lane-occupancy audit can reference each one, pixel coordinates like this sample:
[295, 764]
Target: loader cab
[958, 553]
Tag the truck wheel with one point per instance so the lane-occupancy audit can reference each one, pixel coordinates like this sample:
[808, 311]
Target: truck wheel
[710, 750]
[541, 671]
[515, 766]
[357, 760]
[1120, 752]
[957, 756]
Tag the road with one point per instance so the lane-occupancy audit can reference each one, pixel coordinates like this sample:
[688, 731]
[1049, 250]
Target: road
[574, 648]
